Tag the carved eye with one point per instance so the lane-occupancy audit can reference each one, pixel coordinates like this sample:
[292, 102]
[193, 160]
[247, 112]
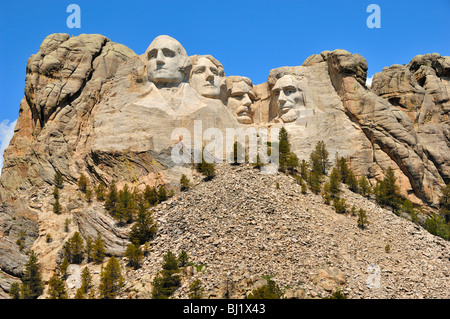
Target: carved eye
[199, 70]
[289, 91]
[152, 55]
[214, 71]
[168, 53]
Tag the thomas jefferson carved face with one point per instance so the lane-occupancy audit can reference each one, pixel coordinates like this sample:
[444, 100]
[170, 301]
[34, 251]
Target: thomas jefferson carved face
[240, 98]
[168, 63]
[207, 76]
[289, 97]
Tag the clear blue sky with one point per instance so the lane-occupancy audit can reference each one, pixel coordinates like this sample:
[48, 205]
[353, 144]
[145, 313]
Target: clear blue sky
[248, 37]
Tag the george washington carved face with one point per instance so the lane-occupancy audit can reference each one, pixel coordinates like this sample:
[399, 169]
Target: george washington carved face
[168, 64]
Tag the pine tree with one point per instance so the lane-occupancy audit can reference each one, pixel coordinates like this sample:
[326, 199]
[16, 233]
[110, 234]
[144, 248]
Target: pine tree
[364, 187]
[162, 194]
[74, 249]
[392, 194]
[89, 195]
[196, 290]
[56, 288]
[86, 280]
[100, 191]
[183, 259]
[111, 279]
[304, 169]
[82, 183]
[168, 280]
[151, 195]
[125, 207]
[79, 294]
[436, 225]
[258, 162]
[339, 205]
[111, 199]
[314, 179]
[335, 182]
[284, 149]
[63, 268]
[319, 159]
[270, 290]
[98, 250]
[66, 225]
[134, 255]
[58, 180]
[88, 249]
[32, 285]
[387, 192]
[14, 290]
[362, 219]
[292, 163]
[56, 192]
[57, 208]
[207, 169]
[343, 169]
[303, 190]
[238, 153]
[185, 183]
[145, 227]
[444, 202]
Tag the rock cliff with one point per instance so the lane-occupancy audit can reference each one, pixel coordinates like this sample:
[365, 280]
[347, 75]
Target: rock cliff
[95, 107]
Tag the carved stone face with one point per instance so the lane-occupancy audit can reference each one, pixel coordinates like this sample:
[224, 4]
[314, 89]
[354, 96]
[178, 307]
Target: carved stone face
[167, 62]
[289, 98]
[207, 77]
[240, 97]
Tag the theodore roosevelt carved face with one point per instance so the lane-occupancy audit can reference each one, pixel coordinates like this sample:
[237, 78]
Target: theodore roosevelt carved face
[289, 97]
[207, 76]
[168, 64]
[240, 98]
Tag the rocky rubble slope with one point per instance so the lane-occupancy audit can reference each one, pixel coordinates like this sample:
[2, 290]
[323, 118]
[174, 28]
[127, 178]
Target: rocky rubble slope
[241, 226]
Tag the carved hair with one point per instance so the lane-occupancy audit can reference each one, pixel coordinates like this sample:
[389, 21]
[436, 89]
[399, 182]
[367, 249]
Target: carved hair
[236, 79]
[195, 58]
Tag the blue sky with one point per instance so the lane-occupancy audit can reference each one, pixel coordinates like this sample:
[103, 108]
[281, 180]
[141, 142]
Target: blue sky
[248, 37]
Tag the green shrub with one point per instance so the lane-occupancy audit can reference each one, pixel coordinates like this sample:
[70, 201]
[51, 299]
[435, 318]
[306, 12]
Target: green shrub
[196, 290]
[270, 290]
[362, 219]
[185, 183]
[82, 183]
[134, 255]
[436, 225]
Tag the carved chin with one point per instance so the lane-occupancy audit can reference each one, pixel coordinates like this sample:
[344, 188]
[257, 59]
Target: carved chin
[289, 116]
[209, 92]
[245, 119]
[164, 77]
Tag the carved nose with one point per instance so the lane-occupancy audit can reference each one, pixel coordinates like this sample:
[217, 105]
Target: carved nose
[159, 57]
[282, 98]
[209, 76]
[246, 102]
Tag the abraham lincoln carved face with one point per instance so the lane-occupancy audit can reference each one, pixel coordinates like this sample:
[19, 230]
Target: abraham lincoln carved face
[289, 97]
